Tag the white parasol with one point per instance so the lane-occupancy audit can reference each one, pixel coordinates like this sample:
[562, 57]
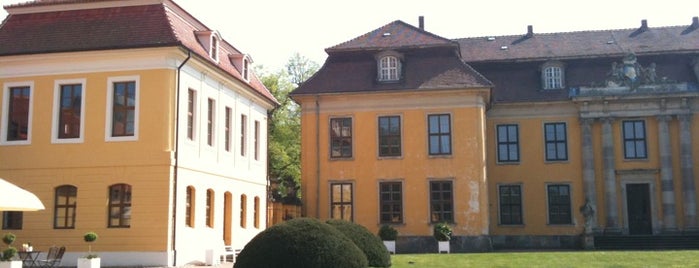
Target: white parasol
[14, 198]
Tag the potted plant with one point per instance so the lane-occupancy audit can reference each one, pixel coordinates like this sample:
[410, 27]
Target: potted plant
[389, 234]
[91, 260]
[7, 256]
[442, 232]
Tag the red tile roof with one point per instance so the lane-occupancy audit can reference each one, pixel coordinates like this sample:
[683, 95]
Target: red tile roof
[584, 44]
[143, 26]
[394, 35]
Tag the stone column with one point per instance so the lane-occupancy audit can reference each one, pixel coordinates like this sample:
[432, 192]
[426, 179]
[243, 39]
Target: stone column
[666, 183]
[689, 194]
[610, 192]
[588, 165]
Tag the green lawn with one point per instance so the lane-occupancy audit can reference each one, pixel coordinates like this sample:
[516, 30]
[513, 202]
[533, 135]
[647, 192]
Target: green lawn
[677, 258]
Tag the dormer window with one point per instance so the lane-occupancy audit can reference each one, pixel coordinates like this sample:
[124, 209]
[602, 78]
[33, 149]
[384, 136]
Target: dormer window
[553, 75]
[246, 67]
[213, 52]
[389, 67]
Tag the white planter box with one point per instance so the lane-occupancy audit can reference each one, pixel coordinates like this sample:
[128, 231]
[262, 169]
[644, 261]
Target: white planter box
[443, 246]
[390, 246]
[10, 264]
[88, 263]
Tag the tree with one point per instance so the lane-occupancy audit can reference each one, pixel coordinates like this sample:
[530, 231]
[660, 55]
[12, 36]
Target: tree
[284, 143]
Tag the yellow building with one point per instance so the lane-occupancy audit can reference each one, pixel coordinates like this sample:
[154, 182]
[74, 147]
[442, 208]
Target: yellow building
[134, 120]
[562, 140]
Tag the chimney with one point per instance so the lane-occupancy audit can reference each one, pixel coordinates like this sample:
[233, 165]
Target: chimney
[421, 20]
[644, 25]
[530, 31]
[695, 23]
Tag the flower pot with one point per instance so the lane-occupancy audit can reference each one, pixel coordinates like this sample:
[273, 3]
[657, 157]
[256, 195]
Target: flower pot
[10, 264]
[88, 263]
[443, 246]
[390, 245]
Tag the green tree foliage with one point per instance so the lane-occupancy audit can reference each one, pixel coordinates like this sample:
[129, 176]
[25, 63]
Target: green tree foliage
[372, 246]
[303, 243]
[285, 128]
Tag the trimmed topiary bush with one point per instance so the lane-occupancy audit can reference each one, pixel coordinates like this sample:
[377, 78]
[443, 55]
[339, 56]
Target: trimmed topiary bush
[376, 253]
[442, 231]
[302, 243]
[388, 233]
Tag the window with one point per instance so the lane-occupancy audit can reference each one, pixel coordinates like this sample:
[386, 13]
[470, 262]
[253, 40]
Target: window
[389, 69]
[214, 47]
[210, 208]
[210, 121]
[559, 204]
[389, 136]
[556, 141]
[439, 134]
[257, 140]
[341, 201]
[191, 113]
[508, 143]
[120, 205]
[441, 201]
[243, 211]
[634, 139]
[256, 212]
[190, 206]
[122, 109]
[341, 137]
[17, 114]
[552, 75]
[65, 207]
[246, 67]
[227, 130]
[243, 132]
[12, 220]
[69, 103]
[391, 202]
[510, 204]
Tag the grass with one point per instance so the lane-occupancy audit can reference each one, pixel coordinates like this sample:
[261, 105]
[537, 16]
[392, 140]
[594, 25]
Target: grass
[616, 259]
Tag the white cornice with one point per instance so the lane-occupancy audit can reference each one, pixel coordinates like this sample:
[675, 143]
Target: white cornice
[90, 62]
[403, 100]
[78, 6]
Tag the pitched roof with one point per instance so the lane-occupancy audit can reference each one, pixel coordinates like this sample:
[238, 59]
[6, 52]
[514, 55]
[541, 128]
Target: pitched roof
[150, 24]
[583, 44]
[396, 34]
[420, 73]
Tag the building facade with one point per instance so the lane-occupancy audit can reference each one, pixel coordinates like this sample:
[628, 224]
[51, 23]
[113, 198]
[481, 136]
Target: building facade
[134, 120]
[558, 138]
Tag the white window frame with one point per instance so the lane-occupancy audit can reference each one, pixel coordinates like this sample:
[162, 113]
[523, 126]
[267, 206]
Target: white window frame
[57, 110]
[110, 101]
[553, 75]
[392, 72]
[195, 114]
[6, 111]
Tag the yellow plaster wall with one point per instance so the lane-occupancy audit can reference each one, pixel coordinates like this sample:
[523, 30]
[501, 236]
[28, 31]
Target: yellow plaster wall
[533, 173]
[95, 164]
[465, 167]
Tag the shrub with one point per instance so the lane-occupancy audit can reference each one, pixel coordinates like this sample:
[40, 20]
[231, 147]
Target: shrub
[8, 254]
[90, 237]
[388, 233]
[9, 238]
[303, 243]
[442, 231]
[376, 253]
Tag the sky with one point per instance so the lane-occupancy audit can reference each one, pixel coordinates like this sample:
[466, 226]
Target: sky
[272, 31]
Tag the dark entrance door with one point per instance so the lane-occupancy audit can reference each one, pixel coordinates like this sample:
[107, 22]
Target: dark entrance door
[638, 204]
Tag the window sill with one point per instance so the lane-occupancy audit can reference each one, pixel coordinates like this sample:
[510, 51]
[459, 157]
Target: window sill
[511, 225]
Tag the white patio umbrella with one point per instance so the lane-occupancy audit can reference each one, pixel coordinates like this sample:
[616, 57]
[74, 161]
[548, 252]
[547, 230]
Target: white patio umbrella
[14, 198]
